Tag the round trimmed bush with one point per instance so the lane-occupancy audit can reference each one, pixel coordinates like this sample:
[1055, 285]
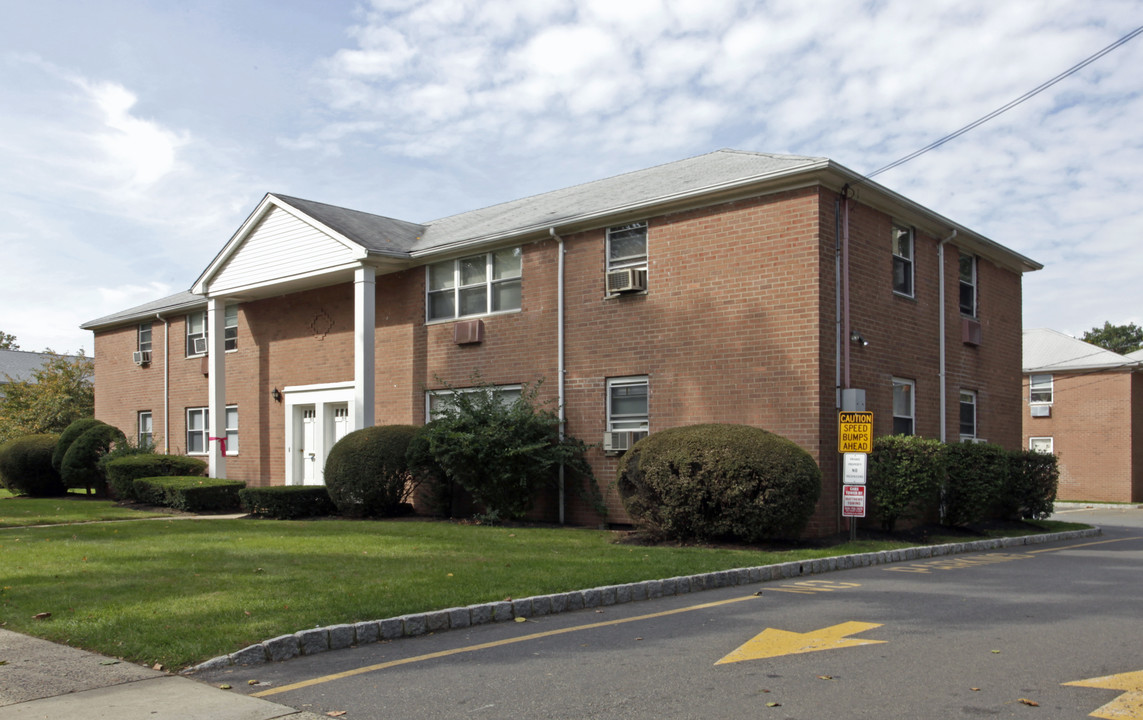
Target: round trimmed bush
[80, 467]
[68, 436]
[719, 482]
[366, 473]
[26, 466]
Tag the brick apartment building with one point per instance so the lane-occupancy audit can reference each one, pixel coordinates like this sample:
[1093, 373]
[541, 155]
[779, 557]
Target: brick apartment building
[731, 287]
[1085, 405]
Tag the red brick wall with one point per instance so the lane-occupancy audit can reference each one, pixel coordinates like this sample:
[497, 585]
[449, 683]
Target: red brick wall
[1094, 426]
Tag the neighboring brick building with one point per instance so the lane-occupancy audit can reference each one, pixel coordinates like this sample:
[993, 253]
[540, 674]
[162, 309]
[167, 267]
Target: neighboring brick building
[712, 289]
[1085, 405]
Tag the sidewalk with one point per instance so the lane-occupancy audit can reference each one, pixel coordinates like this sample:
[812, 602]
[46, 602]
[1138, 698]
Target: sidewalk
[46, 681]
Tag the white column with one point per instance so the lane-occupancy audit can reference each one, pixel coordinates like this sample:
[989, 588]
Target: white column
[364, 333]
[216, 384]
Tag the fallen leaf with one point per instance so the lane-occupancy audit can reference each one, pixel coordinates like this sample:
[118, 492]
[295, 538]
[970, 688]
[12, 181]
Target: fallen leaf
[251, 682]
[773, 704]
[108, 662]
[223, 686]
[157, 666]
[825, 677]
[336, 713]
[41, 616]
[995, 652]
[638, 638]
[520, 619]
[975, 689]
[1030, 703]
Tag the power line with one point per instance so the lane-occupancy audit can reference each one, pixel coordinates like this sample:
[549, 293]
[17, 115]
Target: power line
[1005, 108]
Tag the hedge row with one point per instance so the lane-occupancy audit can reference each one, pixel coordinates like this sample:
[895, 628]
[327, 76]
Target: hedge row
[287, 502]
[191, 494]
[962, 484]
[122, 472]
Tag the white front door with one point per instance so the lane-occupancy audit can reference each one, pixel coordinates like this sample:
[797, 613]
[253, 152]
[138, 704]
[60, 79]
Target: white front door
[340, 422]
[308, 447]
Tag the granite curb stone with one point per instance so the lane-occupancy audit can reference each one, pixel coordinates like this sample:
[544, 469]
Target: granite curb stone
[308, 642]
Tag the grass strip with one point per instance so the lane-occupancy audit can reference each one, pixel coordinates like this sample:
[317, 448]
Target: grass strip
[21, 511]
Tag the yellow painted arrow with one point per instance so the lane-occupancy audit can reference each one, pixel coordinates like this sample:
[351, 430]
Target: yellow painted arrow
[1128, 706]
[775, 643]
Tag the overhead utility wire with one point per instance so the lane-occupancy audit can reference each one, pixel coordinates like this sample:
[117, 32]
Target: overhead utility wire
[1030, 94]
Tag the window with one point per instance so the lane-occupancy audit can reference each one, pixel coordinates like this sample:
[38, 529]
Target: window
[230, 328]
[198, 430]
[476, 285]
[437, 401]
[903, 260]
[627, 406]
[144, 337]
[196, 330]
[1041, 445]
[967, 414]
[903, 406]
[1040, 389]
[146, 436]
[627, 246]
[968, 284]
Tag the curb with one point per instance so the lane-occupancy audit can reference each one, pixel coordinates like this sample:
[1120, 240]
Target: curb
[338, 637]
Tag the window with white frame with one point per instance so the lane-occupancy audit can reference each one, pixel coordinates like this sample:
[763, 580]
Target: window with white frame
[1040, 389]
[627, 404]
[904, 407]
[968, 285]
[1044, 445]
[438, 401]
[144, 341]
[902, 260]
[146, 435]
[967, 414]
[627, 246]
[474, 285]
[197, 330]
[198, 430]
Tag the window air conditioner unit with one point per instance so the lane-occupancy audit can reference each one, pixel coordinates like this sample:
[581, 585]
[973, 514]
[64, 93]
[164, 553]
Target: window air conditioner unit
[1041, 411]
[621, 440]
[977, 441]
[141, 357]
[626, 280]
[200, 346]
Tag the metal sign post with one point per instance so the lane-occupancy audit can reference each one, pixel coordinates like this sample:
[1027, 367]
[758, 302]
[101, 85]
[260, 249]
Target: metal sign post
[854, 442]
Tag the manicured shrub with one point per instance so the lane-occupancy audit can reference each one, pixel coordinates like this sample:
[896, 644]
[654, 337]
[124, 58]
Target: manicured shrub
[124, 470]
[719, 482]
[976, 474]
[68, 436]
[366, 472]
[80, 467]
[26, 466]
[190, 494]
[1032, 483]
[501, 453]
[287, 502]
[905, 475]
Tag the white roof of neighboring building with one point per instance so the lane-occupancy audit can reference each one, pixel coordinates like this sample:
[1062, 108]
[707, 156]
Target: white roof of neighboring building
[1136, 356]
[1047, 351]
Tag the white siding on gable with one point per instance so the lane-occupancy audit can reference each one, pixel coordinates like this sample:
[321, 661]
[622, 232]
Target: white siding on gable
[280, 246]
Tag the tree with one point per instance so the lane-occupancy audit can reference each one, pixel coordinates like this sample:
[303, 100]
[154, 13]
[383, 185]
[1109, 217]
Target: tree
[8, 341]
[60, 392]
[1120, 339]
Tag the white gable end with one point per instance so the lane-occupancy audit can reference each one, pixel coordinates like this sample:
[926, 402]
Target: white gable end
[278, 248]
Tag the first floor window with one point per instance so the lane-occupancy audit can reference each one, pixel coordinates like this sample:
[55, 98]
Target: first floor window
[1040, 389]
[1041, 445]
[627, 404]
[475, 285]
[902, 260]
[146, 437]
[967, 414]
[437, 402]
[198, 430]
[903, 406]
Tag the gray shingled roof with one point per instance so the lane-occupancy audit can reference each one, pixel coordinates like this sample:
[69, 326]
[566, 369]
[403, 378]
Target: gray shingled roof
[182, 301]
[376, 233]
[19, 365]
[694, 175]
[1047, 351]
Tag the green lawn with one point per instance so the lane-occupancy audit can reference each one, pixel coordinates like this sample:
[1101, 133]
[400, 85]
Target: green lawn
[71, 508]
[179, 591]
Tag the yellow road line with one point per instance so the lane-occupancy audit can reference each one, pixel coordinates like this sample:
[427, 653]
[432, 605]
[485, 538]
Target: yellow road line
[488, 645]
[1072, 547]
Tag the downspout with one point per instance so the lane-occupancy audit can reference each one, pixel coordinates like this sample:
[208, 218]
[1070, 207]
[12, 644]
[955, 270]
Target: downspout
[837, 300]
[166, 384]
[941, 330]
[560, 371]
[845, 328]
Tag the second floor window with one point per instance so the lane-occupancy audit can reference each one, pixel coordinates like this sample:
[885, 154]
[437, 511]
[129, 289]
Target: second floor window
[1040, 389]
[145, 337]
[474, 285]
[968, 285]
[903, 260]
[197, 331]
[627, 246]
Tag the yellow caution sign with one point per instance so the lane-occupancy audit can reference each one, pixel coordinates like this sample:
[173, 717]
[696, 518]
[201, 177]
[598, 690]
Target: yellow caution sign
[854, 432]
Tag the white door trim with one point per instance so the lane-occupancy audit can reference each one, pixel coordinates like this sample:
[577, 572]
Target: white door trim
[300, 397]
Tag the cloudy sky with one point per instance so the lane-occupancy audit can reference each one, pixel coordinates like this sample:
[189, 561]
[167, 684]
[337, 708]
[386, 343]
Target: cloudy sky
[136, 135]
